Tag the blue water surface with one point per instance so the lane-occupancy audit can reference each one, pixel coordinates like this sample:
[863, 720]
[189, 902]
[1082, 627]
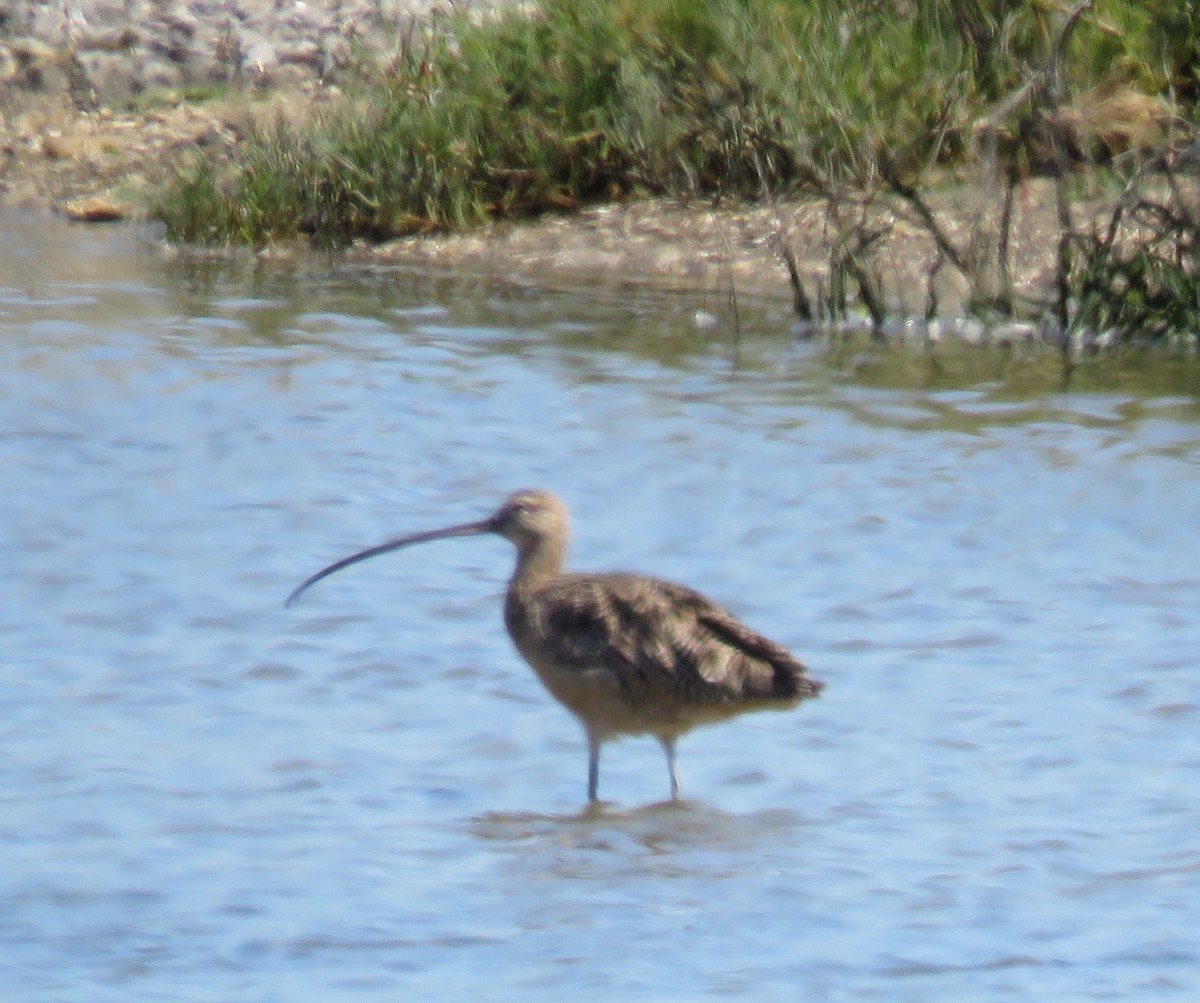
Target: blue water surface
[204, 796]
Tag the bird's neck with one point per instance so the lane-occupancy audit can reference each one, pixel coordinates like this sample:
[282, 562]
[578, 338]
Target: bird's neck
[537, 563]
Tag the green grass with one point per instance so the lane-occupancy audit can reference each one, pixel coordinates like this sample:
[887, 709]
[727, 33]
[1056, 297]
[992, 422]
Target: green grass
[583, 102]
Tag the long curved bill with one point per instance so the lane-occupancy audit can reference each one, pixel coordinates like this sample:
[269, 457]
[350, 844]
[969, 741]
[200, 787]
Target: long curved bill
[466, 529]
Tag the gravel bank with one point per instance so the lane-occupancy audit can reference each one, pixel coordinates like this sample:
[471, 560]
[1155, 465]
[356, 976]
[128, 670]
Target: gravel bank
[99, 98]
[107, 51]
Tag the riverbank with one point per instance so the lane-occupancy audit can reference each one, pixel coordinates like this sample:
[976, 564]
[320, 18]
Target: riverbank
[104, 162]
[102, 100]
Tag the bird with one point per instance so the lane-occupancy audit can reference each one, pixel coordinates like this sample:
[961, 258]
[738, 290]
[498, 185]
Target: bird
[626, 654]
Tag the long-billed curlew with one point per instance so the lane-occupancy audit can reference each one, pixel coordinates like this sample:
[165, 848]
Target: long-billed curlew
[625, 654]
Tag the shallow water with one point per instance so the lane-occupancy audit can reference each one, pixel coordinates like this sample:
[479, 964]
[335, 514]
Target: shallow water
[204, 796]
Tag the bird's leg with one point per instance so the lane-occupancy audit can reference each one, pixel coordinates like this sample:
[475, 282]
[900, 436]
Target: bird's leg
[593, 766]
[668, 744]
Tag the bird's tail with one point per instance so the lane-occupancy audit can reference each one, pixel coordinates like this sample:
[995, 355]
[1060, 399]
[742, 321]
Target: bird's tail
[793, 682]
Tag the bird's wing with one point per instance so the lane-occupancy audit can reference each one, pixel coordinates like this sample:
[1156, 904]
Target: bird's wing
[733, 632]
[660, 640]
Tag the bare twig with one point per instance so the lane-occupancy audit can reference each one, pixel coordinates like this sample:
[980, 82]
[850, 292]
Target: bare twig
[1005, 293]
[932, 303]
[914, 198]
[800, 301]
[1056, 95]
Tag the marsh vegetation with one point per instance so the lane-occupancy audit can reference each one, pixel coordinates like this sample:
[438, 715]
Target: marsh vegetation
[873, 106]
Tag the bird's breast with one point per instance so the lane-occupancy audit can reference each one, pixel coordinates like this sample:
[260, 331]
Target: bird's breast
[576, 672]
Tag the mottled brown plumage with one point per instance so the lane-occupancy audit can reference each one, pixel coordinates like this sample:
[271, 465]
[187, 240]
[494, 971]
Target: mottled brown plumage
[627, 655]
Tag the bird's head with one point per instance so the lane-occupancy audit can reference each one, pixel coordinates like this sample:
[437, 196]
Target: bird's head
[529, 518]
